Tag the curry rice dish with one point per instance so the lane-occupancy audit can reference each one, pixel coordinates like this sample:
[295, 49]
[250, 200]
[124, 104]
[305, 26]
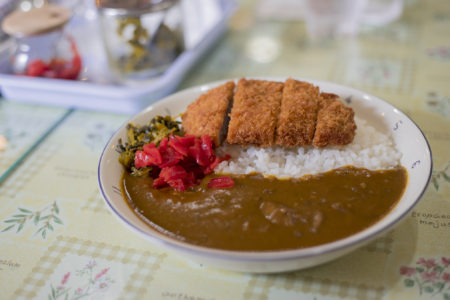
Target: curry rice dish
[330, 176]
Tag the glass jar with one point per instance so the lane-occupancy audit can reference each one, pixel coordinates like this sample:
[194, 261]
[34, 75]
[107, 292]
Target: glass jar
[42, 49]
[6, 6]
[141, 38]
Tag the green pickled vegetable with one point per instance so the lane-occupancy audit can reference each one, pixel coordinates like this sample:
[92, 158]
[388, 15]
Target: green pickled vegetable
[157, 129]
[147, 51]
[137, 42]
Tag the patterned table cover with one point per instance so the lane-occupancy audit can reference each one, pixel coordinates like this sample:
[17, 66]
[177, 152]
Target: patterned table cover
[24, 127]
[59, 241]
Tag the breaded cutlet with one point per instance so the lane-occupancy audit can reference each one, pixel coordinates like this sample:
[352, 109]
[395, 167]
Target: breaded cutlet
[335, 122]
[254, 114]
[298, 114]
[207, 114]
[327, 97]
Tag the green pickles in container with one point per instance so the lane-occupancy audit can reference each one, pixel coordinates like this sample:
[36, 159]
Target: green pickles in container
[141, 38]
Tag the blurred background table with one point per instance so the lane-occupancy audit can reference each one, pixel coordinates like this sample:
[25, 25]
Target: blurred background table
[59, 241]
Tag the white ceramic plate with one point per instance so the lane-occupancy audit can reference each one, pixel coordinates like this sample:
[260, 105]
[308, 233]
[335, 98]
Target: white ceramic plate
[380, 114]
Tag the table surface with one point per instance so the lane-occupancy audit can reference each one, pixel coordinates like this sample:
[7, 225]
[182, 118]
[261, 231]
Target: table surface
[59, 241]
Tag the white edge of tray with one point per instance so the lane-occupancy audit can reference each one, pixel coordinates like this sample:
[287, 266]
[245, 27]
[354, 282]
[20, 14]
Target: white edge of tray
[110, 98]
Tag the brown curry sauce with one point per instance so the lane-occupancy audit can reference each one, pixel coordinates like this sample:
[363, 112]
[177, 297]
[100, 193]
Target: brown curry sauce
[260, 213]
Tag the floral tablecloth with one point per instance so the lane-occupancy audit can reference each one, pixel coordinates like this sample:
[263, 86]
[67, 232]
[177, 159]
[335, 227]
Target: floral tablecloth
[59, 241]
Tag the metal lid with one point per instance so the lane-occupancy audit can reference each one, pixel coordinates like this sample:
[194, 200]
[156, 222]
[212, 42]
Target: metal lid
[132, 7]
[36, 21]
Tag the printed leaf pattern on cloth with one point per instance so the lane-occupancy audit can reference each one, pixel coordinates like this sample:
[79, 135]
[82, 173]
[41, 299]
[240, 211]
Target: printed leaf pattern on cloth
[440, 52]
[438, 103]
[439, 176]
[94, 281]
[97, 136]
[44, 219]
[430, 276]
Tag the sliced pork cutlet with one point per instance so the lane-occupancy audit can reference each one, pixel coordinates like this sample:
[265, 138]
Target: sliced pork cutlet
[298, 114]
[254, 114]
[208, 113]
[335, 122]
[328, 96]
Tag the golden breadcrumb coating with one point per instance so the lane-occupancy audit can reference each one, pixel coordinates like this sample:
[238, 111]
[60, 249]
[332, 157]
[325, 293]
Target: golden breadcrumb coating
[207, 114]
[298, 114]
[329, 96]
[335, 122]
[267, 113]
[254, 114]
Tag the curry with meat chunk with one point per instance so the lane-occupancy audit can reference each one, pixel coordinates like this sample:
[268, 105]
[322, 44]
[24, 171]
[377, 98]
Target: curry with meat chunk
[262, 214]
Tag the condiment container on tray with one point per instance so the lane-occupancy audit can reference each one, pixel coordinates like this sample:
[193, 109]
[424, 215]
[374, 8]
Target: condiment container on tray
[42, 48]
[200, 34]
[141, 38]
[6, 6]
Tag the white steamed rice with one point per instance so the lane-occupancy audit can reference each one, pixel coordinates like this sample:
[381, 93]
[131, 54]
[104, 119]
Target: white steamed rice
[370, 149]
